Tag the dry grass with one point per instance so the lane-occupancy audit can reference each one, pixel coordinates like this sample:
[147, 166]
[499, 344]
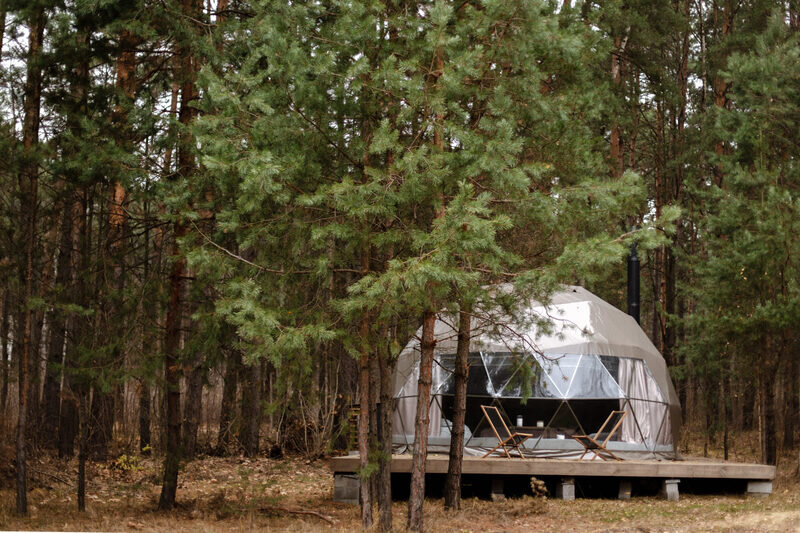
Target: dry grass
[237, 494]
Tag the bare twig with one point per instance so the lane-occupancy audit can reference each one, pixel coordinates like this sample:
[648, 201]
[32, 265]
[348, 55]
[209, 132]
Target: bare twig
[296, 511]
[48, 474]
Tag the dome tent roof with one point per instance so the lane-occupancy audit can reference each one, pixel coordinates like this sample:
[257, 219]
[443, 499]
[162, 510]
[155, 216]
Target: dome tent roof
[575, 321]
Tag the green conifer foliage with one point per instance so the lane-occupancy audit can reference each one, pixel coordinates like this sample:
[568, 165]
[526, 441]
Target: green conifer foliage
[746, 285]
[448, 144]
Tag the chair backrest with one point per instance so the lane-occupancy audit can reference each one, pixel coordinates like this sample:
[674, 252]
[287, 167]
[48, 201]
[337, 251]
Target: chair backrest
[613, 422]
[496, 421]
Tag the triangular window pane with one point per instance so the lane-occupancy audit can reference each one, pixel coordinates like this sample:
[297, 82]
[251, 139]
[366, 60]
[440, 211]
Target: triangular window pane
[478, 383]
[500, 367]
[592, 380]
[612, 365]
[443, 369]
[559, 370]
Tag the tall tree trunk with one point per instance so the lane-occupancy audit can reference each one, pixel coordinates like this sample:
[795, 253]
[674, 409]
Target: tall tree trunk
[83, 444]
[172, 375]
[4, 354]
[791, 414]
[29, 189]
[387, 363]
[77, 328]
[365, 494]
[374, 398]
[101, 422]
[102, 408]
[186, 168]
[51, 400]
[720, 85]
[417, 489]
[766, 410]
[3, 15]
[251, 409]
[617, 156]
[416, 499]
[144, 417]
[452, 486]
[193, 408]
[227, 407]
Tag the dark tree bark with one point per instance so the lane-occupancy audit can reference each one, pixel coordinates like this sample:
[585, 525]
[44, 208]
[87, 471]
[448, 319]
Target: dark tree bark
[83, 444]
[68, 422]
[51, 401]
[251, 409]
[791, 414]
[29, 192]
[766, 369]
[4, 320]
[388, 363]
[374, 398]
[452, 486]
[365, 493]
[416, 497]
[186, 168]
[172, 376]
[193, 407]
[101, 422]
[227, 407]
[768, 430]
[144, 417]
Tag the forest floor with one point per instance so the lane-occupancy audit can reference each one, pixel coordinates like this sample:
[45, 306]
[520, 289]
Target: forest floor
[290, 494]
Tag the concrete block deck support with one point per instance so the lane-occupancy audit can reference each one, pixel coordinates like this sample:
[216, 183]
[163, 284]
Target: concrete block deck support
[345, 488]
[625, 486]
[498, 489]
[565, 489]
[670, 489]
[760, 488]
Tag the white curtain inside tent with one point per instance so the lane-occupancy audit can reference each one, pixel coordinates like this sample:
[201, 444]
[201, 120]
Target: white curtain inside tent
[644, 401]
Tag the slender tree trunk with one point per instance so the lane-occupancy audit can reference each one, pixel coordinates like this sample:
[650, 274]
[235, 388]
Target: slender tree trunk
[83, 445]
[4, 355]
[227, 408]
[374, 398]
[68, 423]
[172, 372]
[3, 14]
[452, 487]
[617, 156]
[251, 409]
[101, 422]
[193, 408]
[172, 376]
[144, 417]
[720, 85]
[387, 363]
[768, 431]
[791, 414]
[55, 354]
[29, 189]
[417, 489]
[365, 494]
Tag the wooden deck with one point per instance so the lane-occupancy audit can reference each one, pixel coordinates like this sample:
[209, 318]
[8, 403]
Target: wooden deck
[689, 469]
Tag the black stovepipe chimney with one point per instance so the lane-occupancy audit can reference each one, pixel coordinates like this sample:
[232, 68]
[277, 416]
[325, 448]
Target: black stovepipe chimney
[633, 284]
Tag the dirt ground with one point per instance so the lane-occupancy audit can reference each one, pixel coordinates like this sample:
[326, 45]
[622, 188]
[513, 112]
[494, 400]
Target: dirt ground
[290, 494]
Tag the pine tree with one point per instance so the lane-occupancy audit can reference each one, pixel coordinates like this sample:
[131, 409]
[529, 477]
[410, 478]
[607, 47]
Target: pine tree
[745, 289]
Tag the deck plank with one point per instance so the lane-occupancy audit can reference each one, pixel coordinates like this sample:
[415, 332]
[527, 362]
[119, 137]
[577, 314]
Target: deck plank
[698, 469]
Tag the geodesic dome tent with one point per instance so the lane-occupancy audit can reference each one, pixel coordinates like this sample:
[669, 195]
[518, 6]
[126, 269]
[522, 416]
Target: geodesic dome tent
[558, 370]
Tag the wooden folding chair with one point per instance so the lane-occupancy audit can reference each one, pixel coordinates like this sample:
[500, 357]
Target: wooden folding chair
[591, 442]
[507, 439]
